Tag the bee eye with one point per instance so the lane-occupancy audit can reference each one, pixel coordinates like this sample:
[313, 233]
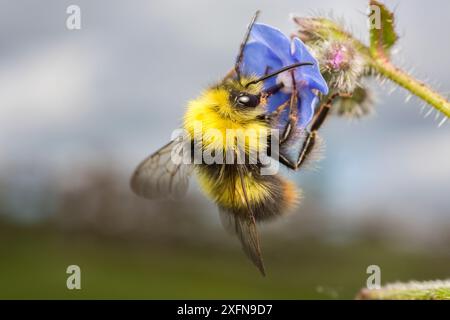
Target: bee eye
[247, 100]
[244, 100]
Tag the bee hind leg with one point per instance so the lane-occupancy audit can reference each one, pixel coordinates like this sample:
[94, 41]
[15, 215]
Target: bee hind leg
[311, 138]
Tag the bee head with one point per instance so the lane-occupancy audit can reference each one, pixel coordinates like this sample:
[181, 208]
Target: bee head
[243, 98]
[230, 99]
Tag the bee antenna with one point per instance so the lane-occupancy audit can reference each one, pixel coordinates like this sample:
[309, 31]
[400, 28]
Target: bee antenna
[292, 66]
[240, 56]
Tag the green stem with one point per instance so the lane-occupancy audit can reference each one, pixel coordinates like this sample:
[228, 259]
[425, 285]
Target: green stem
[382, 65]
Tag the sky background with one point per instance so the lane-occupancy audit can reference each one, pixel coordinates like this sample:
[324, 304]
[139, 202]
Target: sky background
[112, 92]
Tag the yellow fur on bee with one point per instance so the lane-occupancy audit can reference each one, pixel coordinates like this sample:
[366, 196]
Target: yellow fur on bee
[219, 123]
[224, 127]
[230, 193]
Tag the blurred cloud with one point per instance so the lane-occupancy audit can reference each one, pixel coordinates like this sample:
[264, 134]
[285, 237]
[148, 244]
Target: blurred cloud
[49, 86]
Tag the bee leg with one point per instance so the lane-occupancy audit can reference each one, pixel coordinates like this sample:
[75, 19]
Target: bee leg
[291, 124]
[274, 116]
[311, 134]
[286, 161]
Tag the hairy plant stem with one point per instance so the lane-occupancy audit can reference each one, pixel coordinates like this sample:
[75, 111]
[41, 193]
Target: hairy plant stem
[384, 67]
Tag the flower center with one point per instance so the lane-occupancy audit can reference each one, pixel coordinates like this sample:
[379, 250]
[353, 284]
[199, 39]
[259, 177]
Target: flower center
[339, 58]
[287, 80]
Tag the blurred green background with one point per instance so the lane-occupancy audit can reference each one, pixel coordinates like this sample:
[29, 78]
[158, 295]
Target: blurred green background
[80, 109]
[33, 264]
[127, 248]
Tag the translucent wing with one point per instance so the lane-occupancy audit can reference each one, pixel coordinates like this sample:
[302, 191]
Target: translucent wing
[243, 224]
[163, 174]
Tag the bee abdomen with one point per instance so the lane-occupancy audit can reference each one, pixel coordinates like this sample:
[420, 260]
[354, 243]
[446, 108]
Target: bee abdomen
[284, 197]
[265, 196]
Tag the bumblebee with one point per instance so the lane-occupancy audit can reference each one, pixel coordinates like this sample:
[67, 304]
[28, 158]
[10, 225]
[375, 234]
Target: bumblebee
[243, 195]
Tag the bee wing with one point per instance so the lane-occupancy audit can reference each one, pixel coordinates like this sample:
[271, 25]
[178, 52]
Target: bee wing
[163, 174]
[244, 226]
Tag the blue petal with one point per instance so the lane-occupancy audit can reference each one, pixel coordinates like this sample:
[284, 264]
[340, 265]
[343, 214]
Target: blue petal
[257, 58]
[274, 39]
[306, 106]
[308, 101]
[311, 74]
[271, 81]
[270, 50]
[276, 100]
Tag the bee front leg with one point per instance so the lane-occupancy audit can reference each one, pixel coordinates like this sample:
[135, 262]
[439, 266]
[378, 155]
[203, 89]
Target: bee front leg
[291, 124]
[274, 116]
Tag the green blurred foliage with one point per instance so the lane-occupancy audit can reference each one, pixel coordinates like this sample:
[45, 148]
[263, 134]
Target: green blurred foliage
[33, 262]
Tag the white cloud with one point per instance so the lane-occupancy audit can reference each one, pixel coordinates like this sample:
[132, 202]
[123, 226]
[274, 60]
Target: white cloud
[48, 86]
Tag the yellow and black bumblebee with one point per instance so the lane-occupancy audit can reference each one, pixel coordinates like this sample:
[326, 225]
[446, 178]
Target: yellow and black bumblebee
[244, 195]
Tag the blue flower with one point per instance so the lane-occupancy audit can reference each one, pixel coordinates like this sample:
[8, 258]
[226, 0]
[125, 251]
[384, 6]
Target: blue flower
[269, 50]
